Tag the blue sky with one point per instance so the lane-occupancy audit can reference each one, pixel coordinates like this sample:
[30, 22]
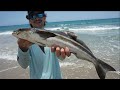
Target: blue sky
[18, 17]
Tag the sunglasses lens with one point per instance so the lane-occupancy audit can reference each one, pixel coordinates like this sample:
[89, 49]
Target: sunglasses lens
[40, 15]
[37, 16]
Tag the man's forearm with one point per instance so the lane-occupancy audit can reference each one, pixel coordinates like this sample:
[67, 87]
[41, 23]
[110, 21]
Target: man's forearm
[23, 58]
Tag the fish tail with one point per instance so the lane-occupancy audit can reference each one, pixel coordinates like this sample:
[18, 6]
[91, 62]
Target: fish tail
[102, 68]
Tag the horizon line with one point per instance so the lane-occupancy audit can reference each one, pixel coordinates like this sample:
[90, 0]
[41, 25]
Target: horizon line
[61, 21]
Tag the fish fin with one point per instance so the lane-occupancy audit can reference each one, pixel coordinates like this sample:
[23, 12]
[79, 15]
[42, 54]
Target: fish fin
[102, 68]
[73, 36]
[83, 44]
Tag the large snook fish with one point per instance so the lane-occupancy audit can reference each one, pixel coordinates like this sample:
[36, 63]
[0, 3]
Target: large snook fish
[79, 49]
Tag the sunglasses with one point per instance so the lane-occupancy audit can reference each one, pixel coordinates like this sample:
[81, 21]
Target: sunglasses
[33, 17]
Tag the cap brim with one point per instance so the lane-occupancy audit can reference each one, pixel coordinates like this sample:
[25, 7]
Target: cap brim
[33, 12]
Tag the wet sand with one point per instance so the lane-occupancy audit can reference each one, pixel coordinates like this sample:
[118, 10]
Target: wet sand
[9, 69]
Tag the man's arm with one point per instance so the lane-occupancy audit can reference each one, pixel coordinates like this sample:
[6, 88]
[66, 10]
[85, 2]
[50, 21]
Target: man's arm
[23, 57]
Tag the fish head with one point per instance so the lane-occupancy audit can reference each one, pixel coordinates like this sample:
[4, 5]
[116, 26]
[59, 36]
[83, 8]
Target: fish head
[34, 35]
[21, 33]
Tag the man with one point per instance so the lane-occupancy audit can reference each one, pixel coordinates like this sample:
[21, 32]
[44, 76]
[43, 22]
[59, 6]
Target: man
[42, 61]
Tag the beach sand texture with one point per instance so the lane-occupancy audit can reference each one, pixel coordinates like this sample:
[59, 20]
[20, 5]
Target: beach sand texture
[10, 69]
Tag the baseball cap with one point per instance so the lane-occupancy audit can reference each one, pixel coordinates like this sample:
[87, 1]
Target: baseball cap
[31, 13]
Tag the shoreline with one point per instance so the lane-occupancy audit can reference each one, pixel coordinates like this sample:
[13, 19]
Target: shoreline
[10, 69]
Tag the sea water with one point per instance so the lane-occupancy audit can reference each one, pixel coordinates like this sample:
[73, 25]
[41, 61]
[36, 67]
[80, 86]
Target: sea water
[102, 36]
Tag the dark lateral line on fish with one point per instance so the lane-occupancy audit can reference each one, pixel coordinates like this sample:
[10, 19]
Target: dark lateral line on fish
[78, 45]
[52, 34]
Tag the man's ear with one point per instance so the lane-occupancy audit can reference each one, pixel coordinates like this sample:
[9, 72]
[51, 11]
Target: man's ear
[29, 21]
[44, 18]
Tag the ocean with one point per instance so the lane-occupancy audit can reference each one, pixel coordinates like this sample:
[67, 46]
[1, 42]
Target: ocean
[102, 36]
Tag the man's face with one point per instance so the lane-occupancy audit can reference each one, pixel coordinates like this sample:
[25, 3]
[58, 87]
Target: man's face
[38, 19]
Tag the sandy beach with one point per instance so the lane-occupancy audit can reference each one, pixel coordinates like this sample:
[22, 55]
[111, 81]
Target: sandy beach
[9, 69]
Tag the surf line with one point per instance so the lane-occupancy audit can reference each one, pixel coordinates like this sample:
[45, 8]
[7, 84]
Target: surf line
[9, 68]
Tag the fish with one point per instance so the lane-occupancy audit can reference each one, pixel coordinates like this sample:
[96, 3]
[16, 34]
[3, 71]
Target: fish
[76, 46]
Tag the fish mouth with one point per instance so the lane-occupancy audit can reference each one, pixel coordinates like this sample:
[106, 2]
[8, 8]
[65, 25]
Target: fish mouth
[14, 33]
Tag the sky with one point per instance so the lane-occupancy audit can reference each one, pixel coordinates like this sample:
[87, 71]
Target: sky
[18, 17]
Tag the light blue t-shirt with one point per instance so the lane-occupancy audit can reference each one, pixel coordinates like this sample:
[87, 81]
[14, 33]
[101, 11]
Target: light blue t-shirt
[42, 65]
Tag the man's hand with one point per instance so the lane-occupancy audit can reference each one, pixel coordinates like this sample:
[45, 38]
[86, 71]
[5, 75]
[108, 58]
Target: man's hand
[60, 52]
[23, 44]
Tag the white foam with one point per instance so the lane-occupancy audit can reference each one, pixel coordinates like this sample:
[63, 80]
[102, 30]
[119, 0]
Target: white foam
[9, 68]
[94, 28]
[6, 33]
[115, 46]
[85, 29]
[52, 29]
[8, 57]
[66, 64]
[76, 29]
